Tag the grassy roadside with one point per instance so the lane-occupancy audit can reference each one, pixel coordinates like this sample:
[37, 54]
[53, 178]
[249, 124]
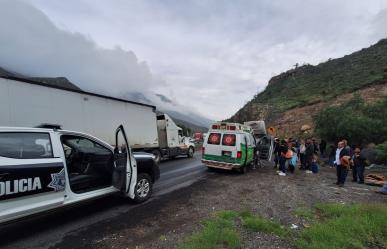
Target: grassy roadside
[331, 226]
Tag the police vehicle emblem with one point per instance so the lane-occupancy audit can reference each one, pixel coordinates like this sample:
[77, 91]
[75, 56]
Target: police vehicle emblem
[58, 181]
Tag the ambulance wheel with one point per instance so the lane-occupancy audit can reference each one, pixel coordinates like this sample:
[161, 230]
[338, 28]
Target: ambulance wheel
[143, 190]
[190, 152]
[243, 170]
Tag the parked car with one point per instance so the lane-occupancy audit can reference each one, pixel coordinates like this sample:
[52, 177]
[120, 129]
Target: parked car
[43, 169]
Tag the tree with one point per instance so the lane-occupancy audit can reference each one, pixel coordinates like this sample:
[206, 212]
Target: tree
[355, 120]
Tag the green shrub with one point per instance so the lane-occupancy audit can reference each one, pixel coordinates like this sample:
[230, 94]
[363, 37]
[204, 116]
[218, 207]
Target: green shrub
[381, 151]
[218, 231]
[354, 120]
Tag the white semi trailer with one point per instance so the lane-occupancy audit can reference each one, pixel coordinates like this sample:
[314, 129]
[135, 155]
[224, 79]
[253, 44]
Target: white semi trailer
[27, 103]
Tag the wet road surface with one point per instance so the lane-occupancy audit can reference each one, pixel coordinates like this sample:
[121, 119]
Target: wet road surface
[49, 229]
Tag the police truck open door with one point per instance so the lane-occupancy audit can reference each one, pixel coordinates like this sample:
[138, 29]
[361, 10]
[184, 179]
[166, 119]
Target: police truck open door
[125, 171]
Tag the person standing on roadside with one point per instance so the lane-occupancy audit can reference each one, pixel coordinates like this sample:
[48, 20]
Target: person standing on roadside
[283, 149]
[337, 163]
[315, 146]
[358, 166]
[309, 154]
[277, 152]
[344, 160]
[348, 148]
[302, 154]
[332, 153]
[294, 159]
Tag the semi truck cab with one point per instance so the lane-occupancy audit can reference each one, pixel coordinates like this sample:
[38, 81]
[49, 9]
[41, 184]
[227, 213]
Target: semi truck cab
[172, 142]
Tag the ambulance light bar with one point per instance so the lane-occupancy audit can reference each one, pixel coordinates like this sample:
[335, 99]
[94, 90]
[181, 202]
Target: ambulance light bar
[227, 126]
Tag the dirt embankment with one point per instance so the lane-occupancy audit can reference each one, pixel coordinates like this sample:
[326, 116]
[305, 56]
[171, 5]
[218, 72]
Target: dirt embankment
[290, 122]
[166, 222]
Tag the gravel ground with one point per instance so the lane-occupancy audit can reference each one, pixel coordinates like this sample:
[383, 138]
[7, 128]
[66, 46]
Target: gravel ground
[176, 216]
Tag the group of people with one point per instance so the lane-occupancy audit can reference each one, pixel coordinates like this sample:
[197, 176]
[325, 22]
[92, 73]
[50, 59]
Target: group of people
[346, 158]
[288, 152]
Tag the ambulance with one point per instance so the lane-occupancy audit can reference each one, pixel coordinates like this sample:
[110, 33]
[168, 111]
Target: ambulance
[229, 146]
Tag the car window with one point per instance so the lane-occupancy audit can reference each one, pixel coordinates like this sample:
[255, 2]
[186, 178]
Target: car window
[82, 144]
[214, 138]
[229, 140]
[25, 145]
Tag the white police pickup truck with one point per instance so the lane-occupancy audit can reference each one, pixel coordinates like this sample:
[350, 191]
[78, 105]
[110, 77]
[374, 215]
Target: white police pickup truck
[43, 169]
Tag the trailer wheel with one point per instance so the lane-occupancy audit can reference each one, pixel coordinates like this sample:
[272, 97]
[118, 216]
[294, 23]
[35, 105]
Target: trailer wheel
[143, 190]
[157, 155]
[190, 152]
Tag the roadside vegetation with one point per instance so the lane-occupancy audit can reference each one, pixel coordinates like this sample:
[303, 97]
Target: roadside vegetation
[332, 225]
[363, 123]
[220, 230]
[381, 151]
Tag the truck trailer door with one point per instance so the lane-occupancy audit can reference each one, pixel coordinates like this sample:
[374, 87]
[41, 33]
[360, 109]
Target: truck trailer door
[125, 173]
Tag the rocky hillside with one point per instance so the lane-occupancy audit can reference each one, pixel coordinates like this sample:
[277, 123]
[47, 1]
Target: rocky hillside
[292, 98]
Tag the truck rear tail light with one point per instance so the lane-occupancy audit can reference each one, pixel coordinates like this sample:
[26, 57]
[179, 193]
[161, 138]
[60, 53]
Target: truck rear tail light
[239, 154]
[215, 127]
[232, 127]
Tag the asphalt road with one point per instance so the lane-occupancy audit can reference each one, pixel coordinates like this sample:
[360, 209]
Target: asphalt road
[46, 230]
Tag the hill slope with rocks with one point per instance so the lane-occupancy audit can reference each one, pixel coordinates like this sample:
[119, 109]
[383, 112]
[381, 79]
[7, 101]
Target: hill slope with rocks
[293, 97]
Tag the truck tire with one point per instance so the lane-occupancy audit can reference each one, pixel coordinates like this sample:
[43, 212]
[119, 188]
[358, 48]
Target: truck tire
[157, 155]
[144, 187]
[190, 152]
[243, 169]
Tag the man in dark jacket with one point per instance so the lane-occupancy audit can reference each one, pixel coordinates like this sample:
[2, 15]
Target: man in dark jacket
[309, 154]
[358, 166]
[315, 146]
[277, 152]
[283, 149]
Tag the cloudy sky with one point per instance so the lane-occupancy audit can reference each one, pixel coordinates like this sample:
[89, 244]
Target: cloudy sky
[210, 57]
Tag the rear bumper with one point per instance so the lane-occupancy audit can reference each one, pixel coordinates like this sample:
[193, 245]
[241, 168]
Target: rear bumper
[221, 165]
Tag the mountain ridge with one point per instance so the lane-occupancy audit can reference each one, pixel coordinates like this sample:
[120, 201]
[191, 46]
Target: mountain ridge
[309, 85]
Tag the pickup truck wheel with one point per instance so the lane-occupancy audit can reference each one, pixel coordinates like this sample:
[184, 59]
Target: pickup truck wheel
[190, 152]
[143, 190]
[157, 155]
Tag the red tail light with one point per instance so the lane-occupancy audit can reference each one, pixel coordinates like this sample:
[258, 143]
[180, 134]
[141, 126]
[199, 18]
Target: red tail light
[239, 154]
